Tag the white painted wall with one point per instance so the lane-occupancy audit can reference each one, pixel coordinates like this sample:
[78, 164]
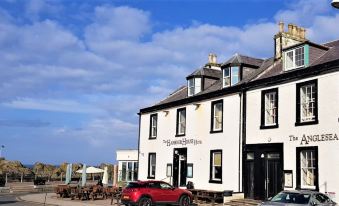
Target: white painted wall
[197, 127]
[127, 154]
[328, 115]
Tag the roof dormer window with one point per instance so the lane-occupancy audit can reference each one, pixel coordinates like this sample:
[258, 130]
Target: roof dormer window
[194, 86]
[296, 58]
[230, 76]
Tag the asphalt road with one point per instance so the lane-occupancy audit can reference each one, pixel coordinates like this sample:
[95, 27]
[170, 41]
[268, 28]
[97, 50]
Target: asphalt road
[12, 201]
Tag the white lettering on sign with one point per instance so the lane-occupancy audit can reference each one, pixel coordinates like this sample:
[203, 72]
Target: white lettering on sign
[306, 139]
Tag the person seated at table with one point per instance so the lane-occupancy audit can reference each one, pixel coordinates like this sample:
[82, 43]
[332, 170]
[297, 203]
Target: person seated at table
[100, 182]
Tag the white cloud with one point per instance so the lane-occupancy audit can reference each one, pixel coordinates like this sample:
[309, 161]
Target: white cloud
[54, 105]
[117, 23]
[99, 132]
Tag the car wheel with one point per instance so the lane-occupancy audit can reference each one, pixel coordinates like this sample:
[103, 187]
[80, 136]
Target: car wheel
[145, 201]
[184, 201]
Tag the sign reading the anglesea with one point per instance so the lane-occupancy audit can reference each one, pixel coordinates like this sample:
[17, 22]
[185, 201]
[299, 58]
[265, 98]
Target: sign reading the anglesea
[306, 139]
[182, 142]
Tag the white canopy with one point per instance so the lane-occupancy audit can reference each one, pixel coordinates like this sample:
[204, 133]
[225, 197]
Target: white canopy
[91, 170]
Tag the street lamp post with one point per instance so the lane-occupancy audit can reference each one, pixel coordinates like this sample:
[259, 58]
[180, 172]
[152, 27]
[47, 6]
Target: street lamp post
[335, 3]
[1, 148]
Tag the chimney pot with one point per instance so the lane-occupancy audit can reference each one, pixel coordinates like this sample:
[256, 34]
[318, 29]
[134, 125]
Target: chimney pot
[281, 27]
[294, 30]
[290, 26]
[302, 32]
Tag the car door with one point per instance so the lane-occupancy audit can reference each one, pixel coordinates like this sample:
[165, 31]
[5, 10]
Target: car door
[155, 191]
[168, 193]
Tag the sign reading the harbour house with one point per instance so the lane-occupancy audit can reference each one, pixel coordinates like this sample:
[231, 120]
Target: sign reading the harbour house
[306, 139]
[182, 142]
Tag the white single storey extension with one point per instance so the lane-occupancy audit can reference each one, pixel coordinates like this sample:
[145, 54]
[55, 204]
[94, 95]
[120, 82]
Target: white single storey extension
[127, 165]
[254, 126]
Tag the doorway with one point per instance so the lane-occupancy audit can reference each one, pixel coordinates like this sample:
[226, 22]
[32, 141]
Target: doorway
[179, 167]
[263, 176]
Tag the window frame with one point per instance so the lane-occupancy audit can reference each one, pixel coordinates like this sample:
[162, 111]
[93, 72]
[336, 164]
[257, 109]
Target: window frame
[151, 136]
[213, 106]
[263, 124]
[299, 86]
[294, 57]
[150, 164]
[316, 166]
[212, 179]
[230, 75]
[194, 86]
[178, 133]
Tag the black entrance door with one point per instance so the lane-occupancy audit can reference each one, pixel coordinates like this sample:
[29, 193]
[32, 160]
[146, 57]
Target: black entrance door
[273, 174]
[263, 170]
[179, 167]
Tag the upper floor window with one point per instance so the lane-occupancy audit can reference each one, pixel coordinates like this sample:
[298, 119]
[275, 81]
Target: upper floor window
[216, 166]
[230, 76]
[194, 86]
[217, 116]
[296, 58]
[153, 126]
[269, 109]
[181, 122]
[307, 103]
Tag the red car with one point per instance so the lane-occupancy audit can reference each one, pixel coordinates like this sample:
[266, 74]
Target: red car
[147, 193]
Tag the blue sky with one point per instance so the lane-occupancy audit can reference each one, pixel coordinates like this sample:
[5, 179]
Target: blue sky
[74, 74]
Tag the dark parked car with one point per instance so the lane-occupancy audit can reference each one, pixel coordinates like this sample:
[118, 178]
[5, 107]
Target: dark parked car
[299, 198]
[147, 193]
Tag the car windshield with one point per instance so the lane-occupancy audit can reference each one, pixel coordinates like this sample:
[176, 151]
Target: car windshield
[134, 185]
[294, 198]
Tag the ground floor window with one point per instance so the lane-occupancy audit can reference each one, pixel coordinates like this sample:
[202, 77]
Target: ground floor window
[307, 168]
[129, 171]
[216, 166]
[151, 165]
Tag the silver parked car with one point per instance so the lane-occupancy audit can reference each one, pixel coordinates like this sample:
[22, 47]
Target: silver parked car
[299, 198]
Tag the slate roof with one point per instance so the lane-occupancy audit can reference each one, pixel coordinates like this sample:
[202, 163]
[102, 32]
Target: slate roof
[265, 68]
[207, 72]
[241, 59]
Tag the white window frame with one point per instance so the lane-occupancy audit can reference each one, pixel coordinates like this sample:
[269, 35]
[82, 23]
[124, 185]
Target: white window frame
[152, 165]
[227, 79]
[307, 103]
[181, 121]
[270, 108]
[217, 117]
[294, 59]
[306, 157]
[194, 86]
[124, 172]
[154, 125]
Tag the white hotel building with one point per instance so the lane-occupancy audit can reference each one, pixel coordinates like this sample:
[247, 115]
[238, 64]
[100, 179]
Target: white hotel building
[254, 126]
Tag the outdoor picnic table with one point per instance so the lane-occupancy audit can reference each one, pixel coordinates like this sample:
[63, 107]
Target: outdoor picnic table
[207, 195]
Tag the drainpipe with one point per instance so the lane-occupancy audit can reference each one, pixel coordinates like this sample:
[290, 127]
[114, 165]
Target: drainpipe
[240, 142]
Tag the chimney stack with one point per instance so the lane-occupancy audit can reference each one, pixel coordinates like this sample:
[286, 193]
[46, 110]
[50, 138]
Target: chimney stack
[284, 39]
[212, 58]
